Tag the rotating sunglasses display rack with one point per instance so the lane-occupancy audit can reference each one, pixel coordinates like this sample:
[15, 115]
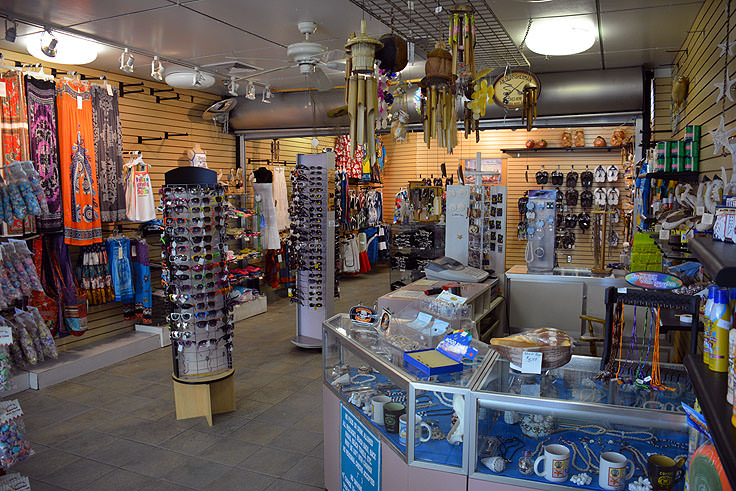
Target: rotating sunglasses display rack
[195, 279]
[312, 251]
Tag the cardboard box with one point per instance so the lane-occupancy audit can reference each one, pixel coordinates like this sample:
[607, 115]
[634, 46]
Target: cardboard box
[692, 155]
[724, 224]
[678, 156]
[692, 133]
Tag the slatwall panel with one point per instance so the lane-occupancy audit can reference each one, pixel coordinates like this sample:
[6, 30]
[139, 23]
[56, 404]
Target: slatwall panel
[662, 101]
[427, 162]
[141, 116]
[703, 66]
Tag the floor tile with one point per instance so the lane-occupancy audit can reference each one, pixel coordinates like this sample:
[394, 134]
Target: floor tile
[85, 442]
[297, 441]
[190, 442]
[156, 463]
[121, 452]
[228, 451]
[196, 473]
[45, 463]
[271, 461]
[79, 473]
[118, 479]
[258, 432]
[241, 479]
[309, 470]
[37, 485]
[161, 485]
[284, 485]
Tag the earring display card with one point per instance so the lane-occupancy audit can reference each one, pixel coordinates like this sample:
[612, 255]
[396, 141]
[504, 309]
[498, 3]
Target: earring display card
[487, 227]
[195, 279]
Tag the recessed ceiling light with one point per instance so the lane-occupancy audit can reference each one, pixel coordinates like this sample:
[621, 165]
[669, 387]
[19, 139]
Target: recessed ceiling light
[560, 36]
[61, 48]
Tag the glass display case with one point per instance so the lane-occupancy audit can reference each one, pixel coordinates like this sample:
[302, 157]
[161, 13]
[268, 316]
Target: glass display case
[565, 428]
[364, 368]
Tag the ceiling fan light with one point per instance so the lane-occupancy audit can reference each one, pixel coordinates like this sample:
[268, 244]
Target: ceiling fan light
[560, 36]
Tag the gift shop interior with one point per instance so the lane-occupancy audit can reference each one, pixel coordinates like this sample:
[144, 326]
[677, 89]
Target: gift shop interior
[249, 245]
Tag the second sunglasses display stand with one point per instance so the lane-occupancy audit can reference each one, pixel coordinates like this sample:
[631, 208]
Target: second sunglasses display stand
[195, 279]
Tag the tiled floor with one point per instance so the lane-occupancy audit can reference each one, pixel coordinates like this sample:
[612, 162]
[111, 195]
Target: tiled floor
[116, 428]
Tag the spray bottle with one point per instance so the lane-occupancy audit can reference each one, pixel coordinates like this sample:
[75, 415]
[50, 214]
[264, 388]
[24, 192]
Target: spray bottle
[721, 324]
[707, 342]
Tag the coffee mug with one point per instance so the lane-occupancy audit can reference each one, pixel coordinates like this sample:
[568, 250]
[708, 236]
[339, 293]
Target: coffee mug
[664, 472]
[418, 429]
[391, 413]
[377, 403]
[556, 460]
[613, 473]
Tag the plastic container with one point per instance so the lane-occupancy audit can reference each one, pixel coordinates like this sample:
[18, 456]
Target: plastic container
[707, 342]
[721, 324]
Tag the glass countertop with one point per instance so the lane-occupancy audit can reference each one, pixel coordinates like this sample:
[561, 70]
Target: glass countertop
[374, 342]
[575, 382]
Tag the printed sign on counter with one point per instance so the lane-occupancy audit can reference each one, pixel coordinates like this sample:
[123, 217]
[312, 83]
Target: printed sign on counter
[653, 280]
[360, 455]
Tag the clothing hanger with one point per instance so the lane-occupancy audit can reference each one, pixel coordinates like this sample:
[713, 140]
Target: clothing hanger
[39, 73]
[3, 66]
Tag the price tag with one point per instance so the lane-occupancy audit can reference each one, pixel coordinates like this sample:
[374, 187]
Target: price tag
[79, 102]
[658, 227]
[3, 89]
[699, 210]
[120, 253]
[664, 234]
[656, 206]
[6, 335]
[621, 290]
[531, 362]
[707, 218]
[109, 89]
[280, 259]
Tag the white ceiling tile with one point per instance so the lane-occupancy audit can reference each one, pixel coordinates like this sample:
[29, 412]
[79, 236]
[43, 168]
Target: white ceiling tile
[69, 12]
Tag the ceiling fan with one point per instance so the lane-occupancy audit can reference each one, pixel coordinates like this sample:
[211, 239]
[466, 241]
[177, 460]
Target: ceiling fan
[309, 57]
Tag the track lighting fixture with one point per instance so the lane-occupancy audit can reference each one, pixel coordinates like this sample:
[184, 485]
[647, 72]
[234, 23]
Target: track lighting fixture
[11, 32]
[267, 95]
[48, 44]
[232, 86]
[251, 91]
[157, 69]
[127, 61]
[198, 78]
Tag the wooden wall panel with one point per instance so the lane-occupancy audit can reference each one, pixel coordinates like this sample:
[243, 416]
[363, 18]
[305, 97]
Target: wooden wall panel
[407, 161]
[700, 61]
[662, 101]
[140, 115]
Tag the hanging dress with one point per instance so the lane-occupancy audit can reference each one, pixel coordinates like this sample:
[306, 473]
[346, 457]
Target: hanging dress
[79, 191]
[14, 134]
[142, 282]
[280, 198]
[44, 148]
[108, 152]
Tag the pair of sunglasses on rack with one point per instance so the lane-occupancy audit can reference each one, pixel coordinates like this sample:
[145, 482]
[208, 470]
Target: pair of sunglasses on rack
[195, 248]
[193, 189]
[195, 230]
[198, 267]
[205, 200]
[195, 239]
[208, 220]
[204, 324]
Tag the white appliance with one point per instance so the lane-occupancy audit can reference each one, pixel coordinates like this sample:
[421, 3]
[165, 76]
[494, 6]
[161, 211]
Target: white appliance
[448, 269]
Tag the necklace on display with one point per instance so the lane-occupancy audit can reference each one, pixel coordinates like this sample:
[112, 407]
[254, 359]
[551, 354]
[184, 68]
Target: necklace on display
[362, 378]
[445, 401]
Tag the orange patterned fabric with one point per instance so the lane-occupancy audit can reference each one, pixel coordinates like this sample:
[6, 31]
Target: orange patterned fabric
[80, 196]
[13, 119]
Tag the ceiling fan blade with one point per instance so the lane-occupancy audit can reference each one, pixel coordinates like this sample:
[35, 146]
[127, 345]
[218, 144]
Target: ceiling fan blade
[320, 80]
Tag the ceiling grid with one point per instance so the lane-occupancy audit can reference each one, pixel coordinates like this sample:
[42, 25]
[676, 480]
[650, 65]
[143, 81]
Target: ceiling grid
[494, 47]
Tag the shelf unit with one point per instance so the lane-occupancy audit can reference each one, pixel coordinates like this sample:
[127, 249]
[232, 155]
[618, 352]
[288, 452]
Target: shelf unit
[710, 387]
[687, 175]
[718, 259]
[512, 151]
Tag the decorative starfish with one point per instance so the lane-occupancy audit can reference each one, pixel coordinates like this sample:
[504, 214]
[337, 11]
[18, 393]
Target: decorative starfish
[726, 46]
[720, 136]
[724, 88]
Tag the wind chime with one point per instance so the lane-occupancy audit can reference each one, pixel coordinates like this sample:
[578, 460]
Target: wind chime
[529, 106]
[361, 90]
[438, 102]
[462, 40]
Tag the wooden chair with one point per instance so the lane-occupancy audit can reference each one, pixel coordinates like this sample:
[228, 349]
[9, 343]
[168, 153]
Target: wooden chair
[591, 337]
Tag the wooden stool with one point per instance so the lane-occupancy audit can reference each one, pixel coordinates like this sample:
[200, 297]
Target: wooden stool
[204, 396]
[592, 339]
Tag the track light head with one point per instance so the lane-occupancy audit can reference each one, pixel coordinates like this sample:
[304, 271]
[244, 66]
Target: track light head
[232, 86]
[267, 95]
[127, 61]
[157, 69]
[251, 91]
[48, 44]
[198, 78]
[11, 32]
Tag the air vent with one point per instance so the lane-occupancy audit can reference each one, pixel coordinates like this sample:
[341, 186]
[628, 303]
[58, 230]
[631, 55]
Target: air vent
[233, 67]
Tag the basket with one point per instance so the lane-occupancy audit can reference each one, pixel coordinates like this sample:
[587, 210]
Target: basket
[552, 356]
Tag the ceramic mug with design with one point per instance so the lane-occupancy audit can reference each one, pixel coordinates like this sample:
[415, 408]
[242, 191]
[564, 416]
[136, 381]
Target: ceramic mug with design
[664, 472]
[556, 459]
[419, 428]
[377, 403]
[613, 471]
[391, 413]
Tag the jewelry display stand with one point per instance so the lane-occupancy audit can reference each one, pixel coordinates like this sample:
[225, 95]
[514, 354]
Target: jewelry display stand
[195, 279]
[313, 245]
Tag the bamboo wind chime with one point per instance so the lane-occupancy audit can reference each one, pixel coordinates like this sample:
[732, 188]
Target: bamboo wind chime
[529, 101]
[439, 117]
[462, 40]
[361, 91]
